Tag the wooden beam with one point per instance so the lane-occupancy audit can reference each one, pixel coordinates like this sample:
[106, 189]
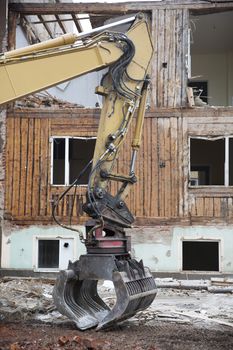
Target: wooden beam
[29, 31]
[61, 24]
[76, 22]
[53, 21]
[65, 8]
[12, 22]
[116, 8]
[46, 26]
[3, 15]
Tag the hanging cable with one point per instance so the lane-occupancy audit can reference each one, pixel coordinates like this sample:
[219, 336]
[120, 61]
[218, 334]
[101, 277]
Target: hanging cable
[55, 205]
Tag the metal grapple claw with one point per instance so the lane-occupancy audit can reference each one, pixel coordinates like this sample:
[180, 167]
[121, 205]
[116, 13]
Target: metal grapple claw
[75, 293]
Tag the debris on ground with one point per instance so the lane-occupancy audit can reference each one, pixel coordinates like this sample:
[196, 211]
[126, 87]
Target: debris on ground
[67, 342]
[214, 285]
[187, 306]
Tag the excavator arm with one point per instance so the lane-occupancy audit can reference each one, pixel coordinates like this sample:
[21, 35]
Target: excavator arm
[124, 89]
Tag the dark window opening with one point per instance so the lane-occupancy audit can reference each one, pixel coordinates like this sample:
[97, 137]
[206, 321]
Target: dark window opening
[207, 160]
[211, 48]
[80, 153]
[58, 161]
[231, 162]
[48, 253]
[200, 256]
[200, 90]
[68, 163]
[200, 175]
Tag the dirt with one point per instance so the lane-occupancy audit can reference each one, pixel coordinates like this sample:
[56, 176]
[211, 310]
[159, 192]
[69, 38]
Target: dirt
[177, 319]
[163, 336]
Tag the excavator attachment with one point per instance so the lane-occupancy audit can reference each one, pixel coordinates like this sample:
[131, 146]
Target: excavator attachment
[124, 89]
[125, 93]
[76, 296]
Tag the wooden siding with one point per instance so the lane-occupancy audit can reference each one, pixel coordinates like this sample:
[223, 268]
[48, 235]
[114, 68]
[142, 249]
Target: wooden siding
[162, 193]
[29, 194]
[169, 67]
[212, 203]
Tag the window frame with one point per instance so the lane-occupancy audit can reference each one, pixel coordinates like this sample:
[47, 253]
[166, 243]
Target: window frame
[57, 237]
[226, 161]
[202, 240]
[67, 167]
[38, 254]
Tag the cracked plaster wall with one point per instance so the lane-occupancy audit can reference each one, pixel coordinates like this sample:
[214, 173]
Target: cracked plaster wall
[160, 247]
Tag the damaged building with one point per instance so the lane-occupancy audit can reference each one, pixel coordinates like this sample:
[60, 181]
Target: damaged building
[183, 200]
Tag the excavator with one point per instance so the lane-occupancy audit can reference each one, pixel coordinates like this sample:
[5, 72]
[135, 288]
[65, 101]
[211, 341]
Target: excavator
[124, 88]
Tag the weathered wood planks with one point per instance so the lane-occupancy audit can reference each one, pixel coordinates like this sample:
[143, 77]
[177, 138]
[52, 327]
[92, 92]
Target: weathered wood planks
[162, 192]
[169, 67]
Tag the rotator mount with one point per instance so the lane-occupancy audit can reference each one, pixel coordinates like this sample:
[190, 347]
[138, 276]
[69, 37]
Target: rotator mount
[102, 206]
[107, 240]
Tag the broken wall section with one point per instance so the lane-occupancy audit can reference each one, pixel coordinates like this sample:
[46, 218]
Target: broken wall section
[212, 57]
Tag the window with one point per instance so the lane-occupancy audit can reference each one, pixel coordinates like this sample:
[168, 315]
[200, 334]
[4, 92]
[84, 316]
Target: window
[211, 161]
[211, 48]
[53, 253]
[200, 255]
[69, 157]
[48, 253]
[200, 90]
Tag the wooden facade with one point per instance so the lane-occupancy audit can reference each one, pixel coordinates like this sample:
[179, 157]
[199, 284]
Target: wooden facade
[29, 194]
[169, 68]
[162, 194]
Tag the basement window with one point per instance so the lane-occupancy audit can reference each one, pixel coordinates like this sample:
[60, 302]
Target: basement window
[69, 157]
[200, 255]
[211, 161]
[48, 253]
[54, 253]
[211, 57]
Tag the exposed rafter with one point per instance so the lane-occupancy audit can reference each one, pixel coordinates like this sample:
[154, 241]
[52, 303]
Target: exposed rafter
[62, 26]
[28, 30]
[79, 29]
[41, 18]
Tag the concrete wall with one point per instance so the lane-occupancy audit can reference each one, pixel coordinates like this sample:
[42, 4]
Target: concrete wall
[160, 247]
[19, 244]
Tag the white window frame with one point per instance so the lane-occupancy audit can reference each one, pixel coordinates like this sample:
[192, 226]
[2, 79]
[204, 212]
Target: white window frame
[226, 161]
[67, 167]
[36, 240]
[202, 240]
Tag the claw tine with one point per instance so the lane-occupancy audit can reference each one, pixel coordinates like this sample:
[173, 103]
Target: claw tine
[132, 296]
[88, 297]
[65, 298]
[76, 296]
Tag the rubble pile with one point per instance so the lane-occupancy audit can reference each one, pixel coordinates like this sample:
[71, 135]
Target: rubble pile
[23, 299]
[44, 99]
